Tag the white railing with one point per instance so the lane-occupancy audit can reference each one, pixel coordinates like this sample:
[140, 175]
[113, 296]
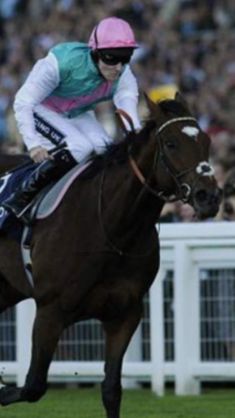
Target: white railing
[186, 249]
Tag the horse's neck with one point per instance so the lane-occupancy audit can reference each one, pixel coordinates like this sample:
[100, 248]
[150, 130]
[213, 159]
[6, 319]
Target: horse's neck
[145, 157]
[133, 202]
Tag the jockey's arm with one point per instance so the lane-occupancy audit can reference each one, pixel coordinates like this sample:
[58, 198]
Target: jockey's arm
[41, 81]
[126, 97]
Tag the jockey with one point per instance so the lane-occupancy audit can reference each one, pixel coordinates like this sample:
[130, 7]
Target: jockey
[56, 104]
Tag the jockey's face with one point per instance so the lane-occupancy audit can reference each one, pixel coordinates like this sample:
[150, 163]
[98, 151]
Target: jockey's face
[110, 72]
[111, 61]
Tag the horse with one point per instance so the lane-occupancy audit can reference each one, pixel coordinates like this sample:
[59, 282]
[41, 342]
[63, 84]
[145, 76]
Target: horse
[8, 161]
[97, 254]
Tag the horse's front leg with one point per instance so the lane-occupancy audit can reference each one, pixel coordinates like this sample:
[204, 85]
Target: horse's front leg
[118, 335]
[46, 333]
[8, 295]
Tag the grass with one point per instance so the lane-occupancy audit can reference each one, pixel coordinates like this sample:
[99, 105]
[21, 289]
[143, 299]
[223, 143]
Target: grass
[86, 403]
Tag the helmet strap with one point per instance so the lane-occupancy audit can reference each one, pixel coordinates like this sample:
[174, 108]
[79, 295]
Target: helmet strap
[95, 37]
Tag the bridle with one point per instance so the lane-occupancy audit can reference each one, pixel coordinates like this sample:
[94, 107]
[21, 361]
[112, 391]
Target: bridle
[183, 190]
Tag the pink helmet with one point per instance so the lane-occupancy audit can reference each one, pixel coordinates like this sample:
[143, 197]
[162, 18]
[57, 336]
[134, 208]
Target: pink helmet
[112, 32]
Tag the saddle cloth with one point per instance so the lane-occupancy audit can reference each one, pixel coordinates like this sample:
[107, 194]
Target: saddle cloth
[42, 206]
[54, 196]
[9, 182]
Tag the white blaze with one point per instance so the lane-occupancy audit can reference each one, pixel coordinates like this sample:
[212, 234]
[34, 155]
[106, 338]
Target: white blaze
[190, 131]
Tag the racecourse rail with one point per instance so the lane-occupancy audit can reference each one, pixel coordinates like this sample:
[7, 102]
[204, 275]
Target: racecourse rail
[187, 334]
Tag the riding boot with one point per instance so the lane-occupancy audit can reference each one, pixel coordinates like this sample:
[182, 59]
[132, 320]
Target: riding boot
[47, 172]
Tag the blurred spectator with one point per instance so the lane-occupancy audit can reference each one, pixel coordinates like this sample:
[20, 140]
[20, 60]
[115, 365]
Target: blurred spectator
[184, 44]
[177, 212]
[227, 209]
[8, 8]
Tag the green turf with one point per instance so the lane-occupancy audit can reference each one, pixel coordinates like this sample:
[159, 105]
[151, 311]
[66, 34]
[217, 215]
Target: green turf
[86, 403]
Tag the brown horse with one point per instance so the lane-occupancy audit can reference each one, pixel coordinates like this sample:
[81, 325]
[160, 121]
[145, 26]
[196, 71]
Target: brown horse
[98, 253]
[8, 161]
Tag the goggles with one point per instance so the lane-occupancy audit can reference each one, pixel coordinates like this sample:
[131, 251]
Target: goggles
[113, 59]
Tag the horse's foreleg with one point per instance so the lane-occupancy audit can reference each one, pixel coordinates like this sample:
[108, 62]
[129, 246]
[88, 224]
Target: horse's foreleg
[46, 333]
[9, 296]
[118, 335]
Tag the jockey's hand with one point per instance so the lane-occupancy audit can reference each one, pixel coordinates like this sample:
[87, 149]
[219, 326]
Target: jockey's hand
[39, 154]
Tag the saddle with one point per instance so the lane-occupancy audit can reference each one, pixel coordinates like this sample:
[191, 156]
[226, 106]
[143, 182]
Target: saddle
[42, 205]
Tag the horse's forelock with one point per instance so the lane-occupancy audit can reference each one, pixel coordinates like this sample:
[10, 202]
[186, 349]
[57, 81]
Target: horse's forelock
[173, 106]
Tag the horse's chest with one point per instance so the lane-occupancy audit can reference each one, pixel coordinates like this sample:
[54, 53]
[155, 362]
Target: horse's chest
[123, 287]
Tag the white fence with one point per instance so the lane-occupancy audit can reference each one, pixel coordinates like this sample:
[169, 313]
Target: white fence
[188, 331]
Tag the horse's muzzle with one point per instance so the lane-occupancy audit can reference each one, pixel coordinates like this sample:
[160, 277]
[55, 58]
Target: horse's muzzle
[206, 202]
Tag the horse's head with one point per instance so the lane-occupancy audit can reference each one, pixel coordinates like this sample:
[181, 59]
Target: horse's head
[180, 168]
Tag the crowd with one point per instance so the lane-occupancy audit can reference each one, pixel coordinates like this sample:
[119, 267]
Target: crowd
[187, 45]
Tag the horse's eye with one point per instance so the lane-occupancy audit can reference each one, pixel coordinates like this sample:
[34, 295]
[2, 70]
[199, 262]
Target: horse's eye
[170, 144]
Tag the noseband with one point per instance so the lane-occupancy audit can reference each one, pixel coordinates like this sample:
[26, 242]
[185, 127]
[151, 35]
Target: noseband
[184, 191]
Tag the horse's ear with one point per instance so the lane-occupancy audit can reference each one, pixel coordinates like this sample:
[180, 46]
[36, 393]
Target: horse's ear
[179, 98]
[153, 107]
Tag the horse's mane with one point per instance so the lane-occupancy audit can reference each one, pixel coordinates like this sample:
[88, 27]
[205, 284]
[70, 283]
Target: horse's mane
[118, 152]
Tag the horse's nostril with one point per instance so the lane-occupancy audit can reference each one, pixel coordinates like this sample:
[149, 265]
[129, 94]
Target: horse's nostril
[201, 196]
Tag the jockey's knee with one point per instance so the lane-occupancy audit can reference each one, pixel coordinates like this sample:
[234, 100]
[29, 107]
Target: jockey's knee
[75, 154]
[80, 154]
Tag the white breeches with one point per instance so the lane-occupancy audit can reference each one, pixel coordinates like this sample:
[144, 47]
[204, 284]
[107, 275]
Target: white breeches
[82, 134]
